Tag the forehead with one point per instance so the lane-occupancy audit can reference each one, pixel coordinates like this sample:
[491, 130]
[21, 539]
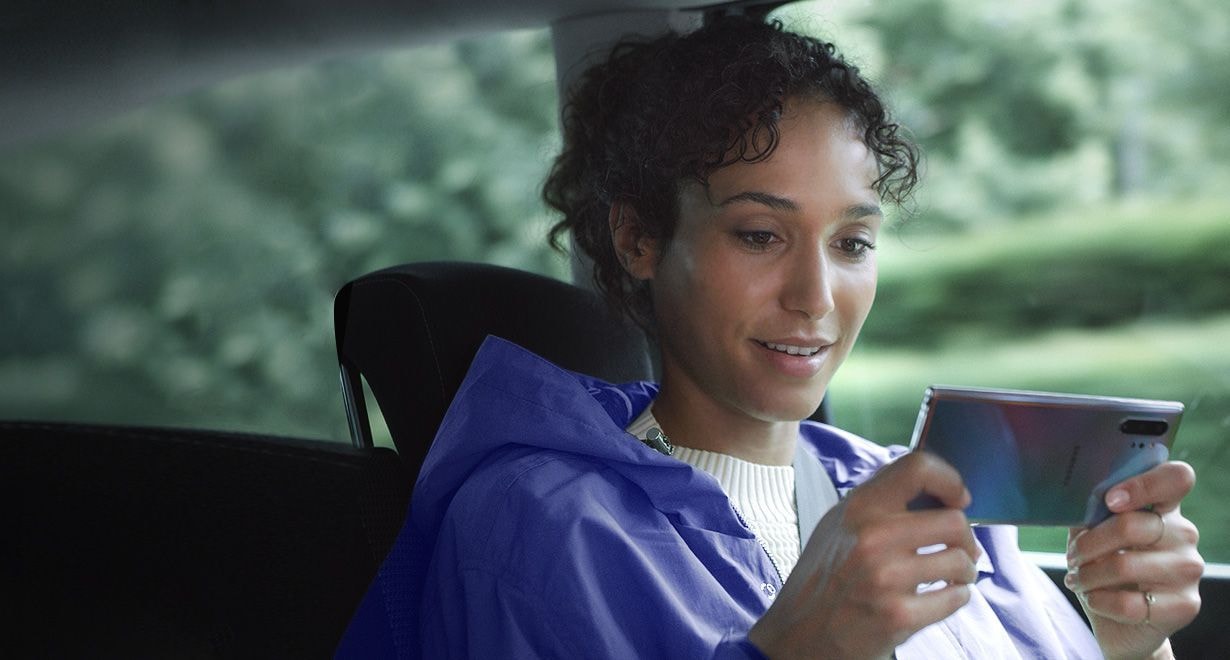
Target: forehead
[819, 147]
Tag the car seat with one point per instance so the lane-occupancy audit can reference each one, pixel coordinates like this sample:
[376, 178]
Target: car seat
[148, 542]
[410, 332]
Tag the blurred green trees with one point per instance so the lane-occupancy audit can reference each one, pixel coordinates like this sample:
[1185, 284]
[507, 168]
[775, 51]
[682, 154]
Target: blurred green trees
[1041, 105]
[177, 266]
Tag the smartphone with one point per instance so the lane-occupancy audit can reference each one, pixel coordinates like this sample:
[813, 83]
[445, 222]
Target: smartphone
[1041, 458]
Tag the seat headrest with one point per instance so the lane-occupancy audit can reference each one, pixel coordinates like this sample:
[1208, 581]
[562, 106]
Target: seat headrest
[411, 331]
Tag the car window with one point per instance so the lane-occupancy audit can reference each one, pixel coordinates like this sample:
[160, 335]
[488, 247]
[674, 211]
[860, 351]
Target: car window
[177, 266]
[1072, 228]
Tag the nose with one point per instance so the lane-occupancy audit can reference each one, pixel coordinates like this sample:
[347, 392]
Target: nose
[809, 286]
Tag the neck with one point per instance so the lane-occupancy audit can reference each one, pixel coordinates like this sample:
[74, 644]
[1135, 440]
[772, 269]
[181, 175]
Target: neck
[700, 423]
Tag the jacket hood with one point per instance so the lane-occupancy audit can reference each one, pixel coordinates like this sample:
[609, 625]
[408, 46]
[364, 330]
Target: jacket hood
[513, 400]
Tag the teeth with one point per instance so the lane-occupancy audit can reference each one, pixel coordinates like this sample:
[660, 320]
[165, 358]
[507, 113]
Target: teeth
[791, 350]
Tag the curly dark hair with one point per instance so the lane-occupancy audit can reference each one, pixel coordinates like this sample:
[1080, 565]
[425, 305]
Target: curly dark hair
[660, 112]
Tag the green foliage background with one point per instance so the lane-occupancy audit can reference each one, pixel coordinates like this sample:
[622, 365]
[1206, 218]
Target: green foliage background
[176, 266]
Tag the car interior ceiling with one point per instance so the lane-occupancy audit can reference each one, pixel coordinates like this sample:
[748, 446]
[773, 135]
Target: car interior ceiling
[155, 541]
[69, 64]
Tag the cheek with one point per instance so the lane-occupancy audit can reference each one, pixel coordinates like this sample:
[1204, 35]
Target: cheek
[857, 293]
[673, 279]
[704, 280]
[703, 312]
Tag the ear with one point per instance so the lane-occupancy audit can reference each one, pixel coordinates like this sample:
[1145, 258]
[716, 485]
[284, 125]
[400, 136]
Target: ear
[637, 251]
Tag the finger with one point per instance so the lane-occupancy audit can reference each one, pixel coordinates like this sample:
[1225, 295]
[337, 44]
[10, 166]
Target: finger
[905, 615]
[1168, 612]
[1160, 570]
[1074, 533]
[1161, 488]
[919, 572]
[948, 566]
[880, 536]
[888, 582]
[933, 527]
[1121, 531]
[1131, 530]
[889, 553]
[1120, 605]
[914, 474]
[923, 609]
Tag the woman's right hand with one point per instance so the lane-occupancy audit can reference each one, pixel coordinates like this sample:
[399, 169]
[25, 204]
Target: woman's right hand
[854, 592]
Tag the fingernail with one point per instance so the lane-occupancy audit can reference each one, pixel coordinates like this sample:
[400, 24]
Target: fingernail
[1116, 498]
[1072, 542]
[1069, 580]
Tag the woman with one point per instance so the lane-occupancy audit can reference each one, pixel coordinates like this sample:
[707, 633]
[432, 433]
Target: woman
[728, 187]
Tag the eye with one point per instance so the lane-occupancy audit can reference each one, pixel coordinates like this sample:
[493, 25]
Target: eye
[756, 239]
[854, 247]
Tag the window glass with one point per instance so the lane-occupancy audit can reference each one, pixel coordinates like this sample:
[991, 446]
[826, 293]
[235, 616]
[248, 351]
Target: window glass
[1072, 231]
[177, 266]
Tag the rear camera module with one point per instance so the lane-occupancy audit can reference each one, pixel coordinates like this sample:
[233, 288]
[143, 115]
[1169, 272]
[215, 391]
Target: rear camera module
[1153, 427]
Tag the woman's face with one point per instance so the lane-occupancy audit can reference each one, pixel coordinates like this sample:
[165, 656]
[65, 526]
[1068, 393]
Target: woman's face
[762, 291]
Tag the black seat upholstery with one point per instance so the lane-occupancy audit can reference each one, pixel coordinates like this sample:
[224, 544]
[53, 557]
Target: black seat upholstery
[411, 331]
[158, 543]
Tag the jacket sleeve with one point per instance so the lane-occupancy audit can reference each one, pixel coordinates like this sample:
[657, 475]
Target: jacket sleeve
[531, 569]
[370, 632]
[477, 614]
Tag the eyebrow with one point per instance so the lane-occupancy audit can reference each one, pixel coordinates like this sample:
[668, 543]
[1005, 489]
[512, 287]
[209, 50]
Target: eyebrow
[772, 201]
[778, 203]
[862, 211]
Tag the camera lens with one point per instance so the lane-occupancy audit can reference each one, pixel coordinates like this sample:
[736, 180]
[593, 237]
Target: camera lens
[1144, 427]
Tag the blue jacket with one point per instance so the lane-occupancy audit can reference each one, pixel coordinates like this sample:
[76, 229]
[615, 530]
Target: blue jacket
[539, 528]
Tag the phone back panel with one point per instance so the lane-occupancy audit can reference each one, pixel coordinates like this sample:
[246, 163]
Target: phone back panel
[1034, 458]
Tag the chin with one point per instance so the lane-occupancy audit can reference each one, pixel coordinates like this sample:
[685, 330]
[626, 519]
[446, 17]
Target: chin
[794, 411]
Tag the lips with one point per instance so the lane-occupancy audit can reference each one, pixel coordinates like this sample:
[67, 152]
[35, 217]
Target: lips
[805, 351]
[802, 348]
[799, 359]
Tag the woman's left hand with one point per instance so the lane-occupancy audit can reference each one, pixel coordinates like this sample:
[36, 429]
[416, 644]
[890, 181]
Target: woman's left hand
[1138, 572]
